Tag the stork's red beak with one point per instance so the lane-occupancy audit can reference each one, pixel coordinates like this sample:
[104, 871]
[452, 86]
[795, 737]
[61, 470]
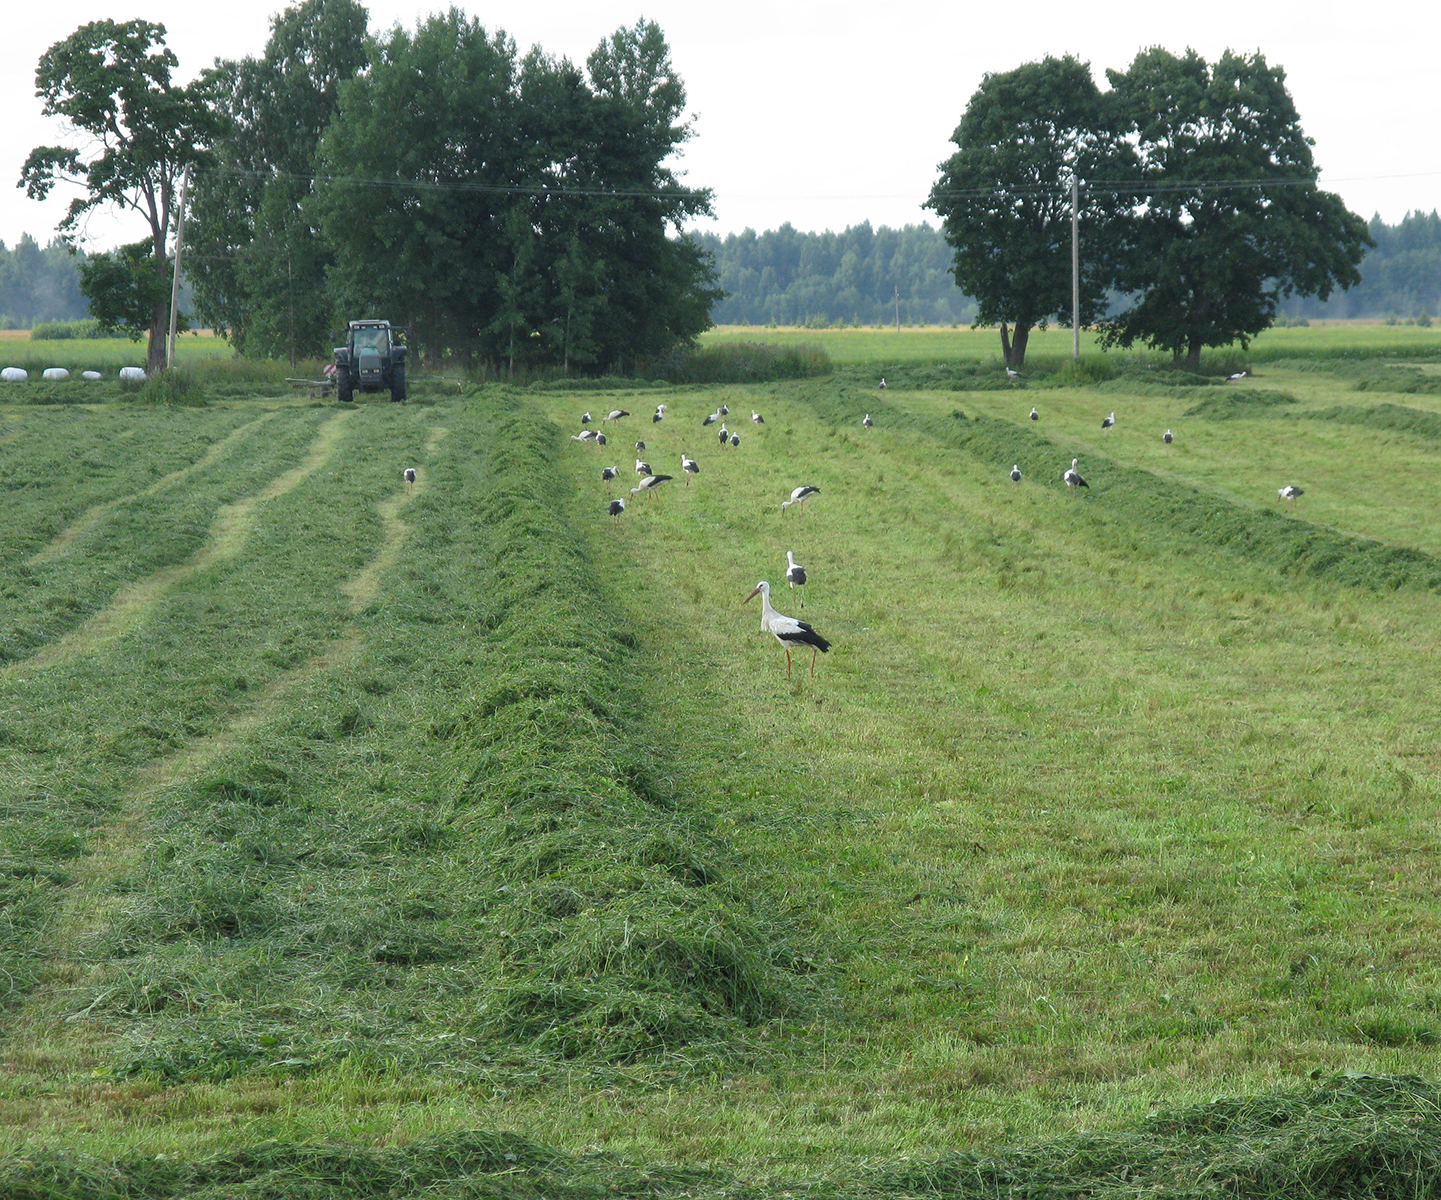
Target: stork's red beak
[752, 596]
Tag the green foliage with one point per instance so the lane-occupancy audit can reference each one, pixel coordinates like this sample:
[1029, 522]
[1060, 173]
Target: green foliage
[1207, 263]
[1004, 199]
[175, 386]
[748, 362]
[126, 288]
[39, 285]
[111, 81]
[64, 331]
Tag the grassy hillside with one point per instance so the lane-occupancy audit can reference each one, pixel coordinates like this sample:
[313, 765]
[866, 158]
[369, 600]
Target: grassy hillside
[339, 822]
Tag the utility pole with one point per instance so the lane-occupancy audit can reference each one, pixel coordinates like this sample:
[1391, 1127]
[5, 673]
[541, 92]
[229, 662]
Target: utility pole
[175, 276]
[898, 310]
[1075, 269]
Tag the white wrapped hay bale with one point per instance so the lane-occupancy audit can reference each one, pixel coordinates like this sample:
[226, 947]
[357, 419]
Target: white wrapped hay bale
[132, 373]
[54, 373]
[14, 374]
[90, 375]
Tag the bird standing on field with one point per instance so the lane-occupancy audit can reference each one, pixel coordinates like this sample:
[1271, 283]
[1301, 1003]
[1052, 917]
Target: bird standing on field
[689, 466]
[795, 574]
[787, 630]
[616, 508]
[585, 418]
[757, 418]
[585, 435]
[615, 414]
[735, 441]
[1035, 416]
[1016, 473]
[883, 383]
[1012, 375]
[799, 497]
[1289, 492]
[650, 483]
[1108, 422]
[640, 447]
[866, 421]
[1168, 437]
[642, 468]
[607, 474]
[725, 410]
[600, 439]
[725, 434]
[1237, 375]
[409, 479]
[1073, 477]
[710, 420]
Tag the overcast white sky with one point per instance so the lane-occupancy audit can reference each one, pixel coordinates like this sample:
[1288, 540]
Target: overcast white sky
[829, 114]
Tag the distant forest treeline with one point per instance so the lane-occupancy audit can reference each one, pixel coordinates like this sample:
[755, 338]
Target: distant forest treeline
[786, 277]
[856, 277]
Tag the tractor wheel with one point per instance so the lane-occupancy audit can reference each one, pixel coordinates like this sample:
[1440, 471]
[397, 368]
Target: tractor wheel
[397, 385]
[342, 387]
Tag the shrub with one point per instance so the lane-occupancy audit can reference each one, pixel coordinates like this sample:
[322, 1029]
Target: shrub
[61, 331]
[172, 386]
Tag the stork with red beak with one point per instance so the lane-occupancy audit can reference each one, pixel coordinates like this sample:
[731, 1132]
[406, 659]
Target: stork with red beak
[787, 630]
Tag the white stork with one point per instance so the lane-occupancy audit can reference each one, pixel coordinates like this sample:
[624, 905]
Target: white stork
[883, 383]
[787, 630]
[585, 418]
[1290, 492]
[617, 507]
[650, 483]
[866, 421]
[795, 574]
[725, 410]
[659, 414]
[757, 418]
[1016, 473]
[1168, 437]
[1108, 422]
[600, 439]
[642, 467]
[640, 447]
[735, 441]
[689, 466]
[799, 497]
[1073, 477]
[585, 435]
[615, 414]
[725, 434]
[409, 479]
[607, 474]
[710, 420]
[1012, 375]
[1237, 375]
[1035, 416]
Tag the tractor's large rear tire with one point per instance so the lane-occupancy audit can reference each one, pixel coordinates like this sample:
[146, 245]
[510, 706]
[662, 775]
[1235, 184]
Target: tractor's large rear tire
[342, 387]
[397, 385]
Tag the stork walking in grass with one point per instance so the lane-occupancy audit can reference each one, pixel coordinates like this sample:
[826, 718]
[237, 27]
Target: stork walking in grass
[1035, 416]
[615, 414]
[725, 434]
[689, 466]
[642, 468]
[799, 497]
[607, 474]
[795, 575]
[1290, 492]
[711, 420]
[756, 418]
[617, 507]
[735, 441]
[1073, 477]
[600, 439]
[883, 383]
[1237, 375]
[585, 435]
[866, 421]
[788, 631]
[1016, 473]
[409, 479]
[1108, 422]
[1168, 437]
[585, 418]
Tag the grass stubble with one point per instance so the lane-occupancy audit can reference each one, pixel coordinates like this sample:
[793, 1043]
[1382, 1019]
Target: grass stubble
[1083, 823]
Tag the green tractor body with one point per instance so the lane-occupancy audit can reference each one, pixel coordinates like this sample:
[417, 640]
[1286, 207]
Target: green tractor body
[372, 360]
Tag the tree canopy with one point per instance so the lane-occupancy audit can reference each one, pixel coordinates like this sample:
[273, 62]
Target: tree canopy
[1004, 196]
[1229, 217]
[111, 81]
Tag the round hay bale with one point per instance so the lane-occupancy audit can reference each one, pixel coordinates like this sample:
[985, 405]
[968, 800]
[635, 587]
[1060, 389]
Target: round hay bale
[55, 373]
[14, 374]
[90, 375]
[132, 373]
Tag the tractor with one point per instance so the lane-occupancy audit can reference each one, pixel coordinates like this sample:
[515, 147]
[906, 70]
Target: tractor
[372, 360]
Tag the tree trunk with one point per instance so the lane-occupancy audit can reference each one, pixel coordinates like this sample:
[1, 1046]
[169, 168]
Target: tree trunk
[1193, 355]
[1013, 349]
[1005, 344]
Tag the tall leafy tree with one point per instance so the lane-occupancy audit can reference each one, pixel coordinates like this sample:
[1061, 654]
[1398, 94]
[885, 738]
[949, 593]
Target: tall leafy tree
[1231, 219]
[1004, 197]
[112, 82]
[257, 257]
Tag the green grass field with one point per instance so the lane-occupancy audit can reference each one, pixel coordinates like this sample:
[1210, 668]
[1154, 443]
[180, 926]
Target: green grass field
[461, 841]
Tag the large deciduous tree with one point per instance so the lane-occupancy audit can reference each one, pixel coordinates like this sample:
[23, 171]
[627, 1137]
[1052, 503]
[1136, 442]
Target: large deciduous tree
[257, 259]
[1004, 197]
[519, 210]
[1231, 218]
[112, 82]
